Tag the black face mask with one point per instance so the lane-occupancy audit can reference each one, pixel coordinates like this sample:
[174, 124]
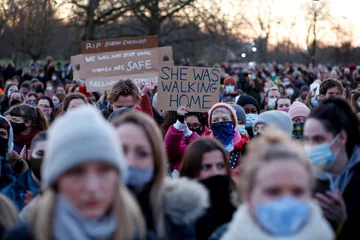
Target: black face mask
[35, 166]
[219, 186]
[199, 130]
[18, 127]
[14, 102]
[4, 143]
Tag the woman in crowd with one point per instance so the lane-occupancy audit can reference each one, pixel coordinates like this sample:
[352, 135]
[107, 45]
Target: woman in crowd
[206, 161]
[26, 121]
[4, 106]
[74, 100]
[58, 100]
[7, 175]
[32, 99]
[283, 103]
[179, 136]
[278, 119]
[252, 110]
[47, 107]
[8, 216]
[170, 206]
[222, 122]
[276, 189]
[84, 196]
[298, 112]
[332, 139]
[355, 101]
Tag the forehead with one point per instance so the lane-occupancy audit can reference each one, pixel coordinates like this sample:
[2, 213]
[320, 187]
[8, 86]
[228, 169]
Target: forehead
[249, 106]
[284, 101]
[283, 172]
[192, 119]
[214, 156]
[274, 93]
[40, 145]
[13, 87]
[43, 101]
[314, 127]
[220, 115]
[16, 94]
[334, 90]
[128, 99]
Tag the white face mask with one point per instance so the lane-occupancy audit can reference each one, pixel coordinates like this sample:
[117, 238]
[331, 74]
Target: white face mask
[229, 89]
[271, 102]
[290, 91]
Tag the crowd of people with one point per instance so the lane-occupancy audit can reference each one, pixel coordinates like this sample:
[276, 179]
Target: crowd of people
[278, 157]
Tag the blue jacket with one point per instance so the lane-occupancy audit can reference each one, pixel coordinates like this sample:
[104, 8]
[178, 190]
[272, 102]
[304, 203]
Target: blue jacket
[17, 190]
[7, 175]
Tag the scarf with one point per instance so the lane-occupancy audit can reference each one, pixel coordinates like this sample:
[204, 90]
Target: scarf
[70, 224]
[230, 147]
[22, 140]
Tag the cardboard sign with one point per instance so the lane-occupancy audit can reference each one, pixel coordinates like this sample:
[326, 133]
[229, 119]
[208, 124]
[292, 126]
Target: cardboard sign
[166, 56]
[119, 63]
[119, 44]
[196, 88]
[102, 84]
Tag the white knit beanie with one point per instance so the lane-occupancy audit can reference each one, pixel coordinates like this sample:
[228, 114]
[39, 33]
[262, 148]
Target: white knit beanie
[80, 136]
[279, 119]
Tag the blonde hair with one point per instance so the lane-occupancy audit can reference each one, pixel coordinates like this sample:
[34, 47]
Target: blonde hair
[152, 131]
[124, 88]
[272, 145]
[9, 214]
[129, 219]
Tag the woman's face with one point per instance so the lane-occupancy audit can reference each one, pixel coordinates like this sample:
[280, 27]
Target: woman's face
[55, 99]
[44, 105]
[278, 179]
[91, 188]
[299, 119]
[316, 134]
[31, 98]
[4, 133]
[220, 117]
[250, 108]
[136, 145]
[13, 88]
[75, 103]
[259, 128]
[212, 165]
[283, 104]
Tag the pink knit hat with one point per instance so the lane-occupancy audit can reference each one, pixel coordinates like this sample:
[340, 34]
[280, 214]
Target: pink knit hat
[298, 109]
[227, 107]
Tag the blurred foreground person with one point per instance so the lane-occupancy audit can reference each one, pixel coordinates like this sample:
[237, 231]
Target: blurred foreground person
[276, 187]
[206, 161]
[169, 206]
[332, 140]
[84, 195]
[8, 216]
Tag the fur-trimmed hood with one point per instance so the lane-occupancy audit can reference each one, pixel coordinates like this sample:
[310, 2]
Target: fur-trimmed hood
[185, 200]
[243, 227]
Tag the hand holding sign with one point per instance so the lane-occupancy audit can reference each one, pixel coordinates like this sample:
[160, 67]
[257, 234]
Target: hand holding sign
[181, 111]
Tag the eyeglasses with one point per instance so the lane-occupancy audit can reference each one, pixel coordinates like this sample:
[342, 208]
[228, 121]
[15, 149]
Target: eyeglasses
[43, 106]
[195, 125]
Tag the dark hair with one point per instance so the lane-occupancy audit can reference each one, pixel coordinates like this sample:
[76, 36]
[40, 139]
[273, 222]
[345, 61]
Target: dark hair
[330, 83]
[202, 118]
[336, 115]
[30, 113]
[5, 125]
[26, 84]
[353, 101]
[5, 97]
[71, 97]
[51, 105]
[272, 89]
[60, 96]
[21, 94]
[124, 88]
[193, 157]
[33, 94]
[40, 137]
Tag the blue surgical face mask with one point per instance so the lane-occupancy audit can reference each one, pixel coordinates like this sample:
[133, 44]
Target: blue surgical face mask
[229, 89]
[54, 78]
[314, 102]
[223, 131]
[33, 103]
[321, 155]
[271, 102]
[250, 119]
[41, 75]
[137, 178]
[283, 217]
[241, 129]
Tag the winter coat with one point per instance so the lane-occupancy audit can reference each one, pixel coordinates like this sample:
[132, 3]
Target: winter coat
[145, 106]
[17, 190]
[351, 198]
[7, 175]
[221, 209]
[184, 202]
[243, 227]
[175, 145]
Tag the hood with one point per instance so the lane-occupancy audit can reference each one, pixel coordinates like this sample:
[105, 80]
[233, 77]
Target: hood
[185, 200]
[11, 137]
[243, 227]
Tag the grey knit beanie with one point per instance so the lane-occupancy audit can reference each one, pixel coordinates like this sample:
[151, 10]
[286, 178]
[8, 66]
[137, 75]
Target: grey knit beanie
[80, 136]
[240, 113]
[280, 119]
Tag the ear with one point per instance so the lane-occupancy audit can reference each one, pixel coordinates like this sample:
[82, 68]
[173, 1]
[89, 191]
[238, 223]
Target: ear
[27, 123]
[343, 138]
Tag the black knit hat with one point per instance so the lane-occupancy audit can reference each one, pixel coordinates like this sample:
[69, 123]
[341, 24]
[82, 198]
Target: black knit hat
[245, 99]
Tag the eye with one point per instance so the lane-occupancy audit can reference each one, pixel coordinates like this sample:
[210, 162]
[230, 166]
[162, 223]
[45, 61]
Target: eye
[142, 154]
[220, 165]
[206, 167]
[273, 192]
[298, 192]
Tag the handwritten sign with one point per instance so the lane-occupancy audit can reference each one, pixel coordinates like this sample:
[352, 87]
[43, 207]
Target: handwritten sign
[102, 84]
[196, 88]
[119, 63]
[119, 44]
